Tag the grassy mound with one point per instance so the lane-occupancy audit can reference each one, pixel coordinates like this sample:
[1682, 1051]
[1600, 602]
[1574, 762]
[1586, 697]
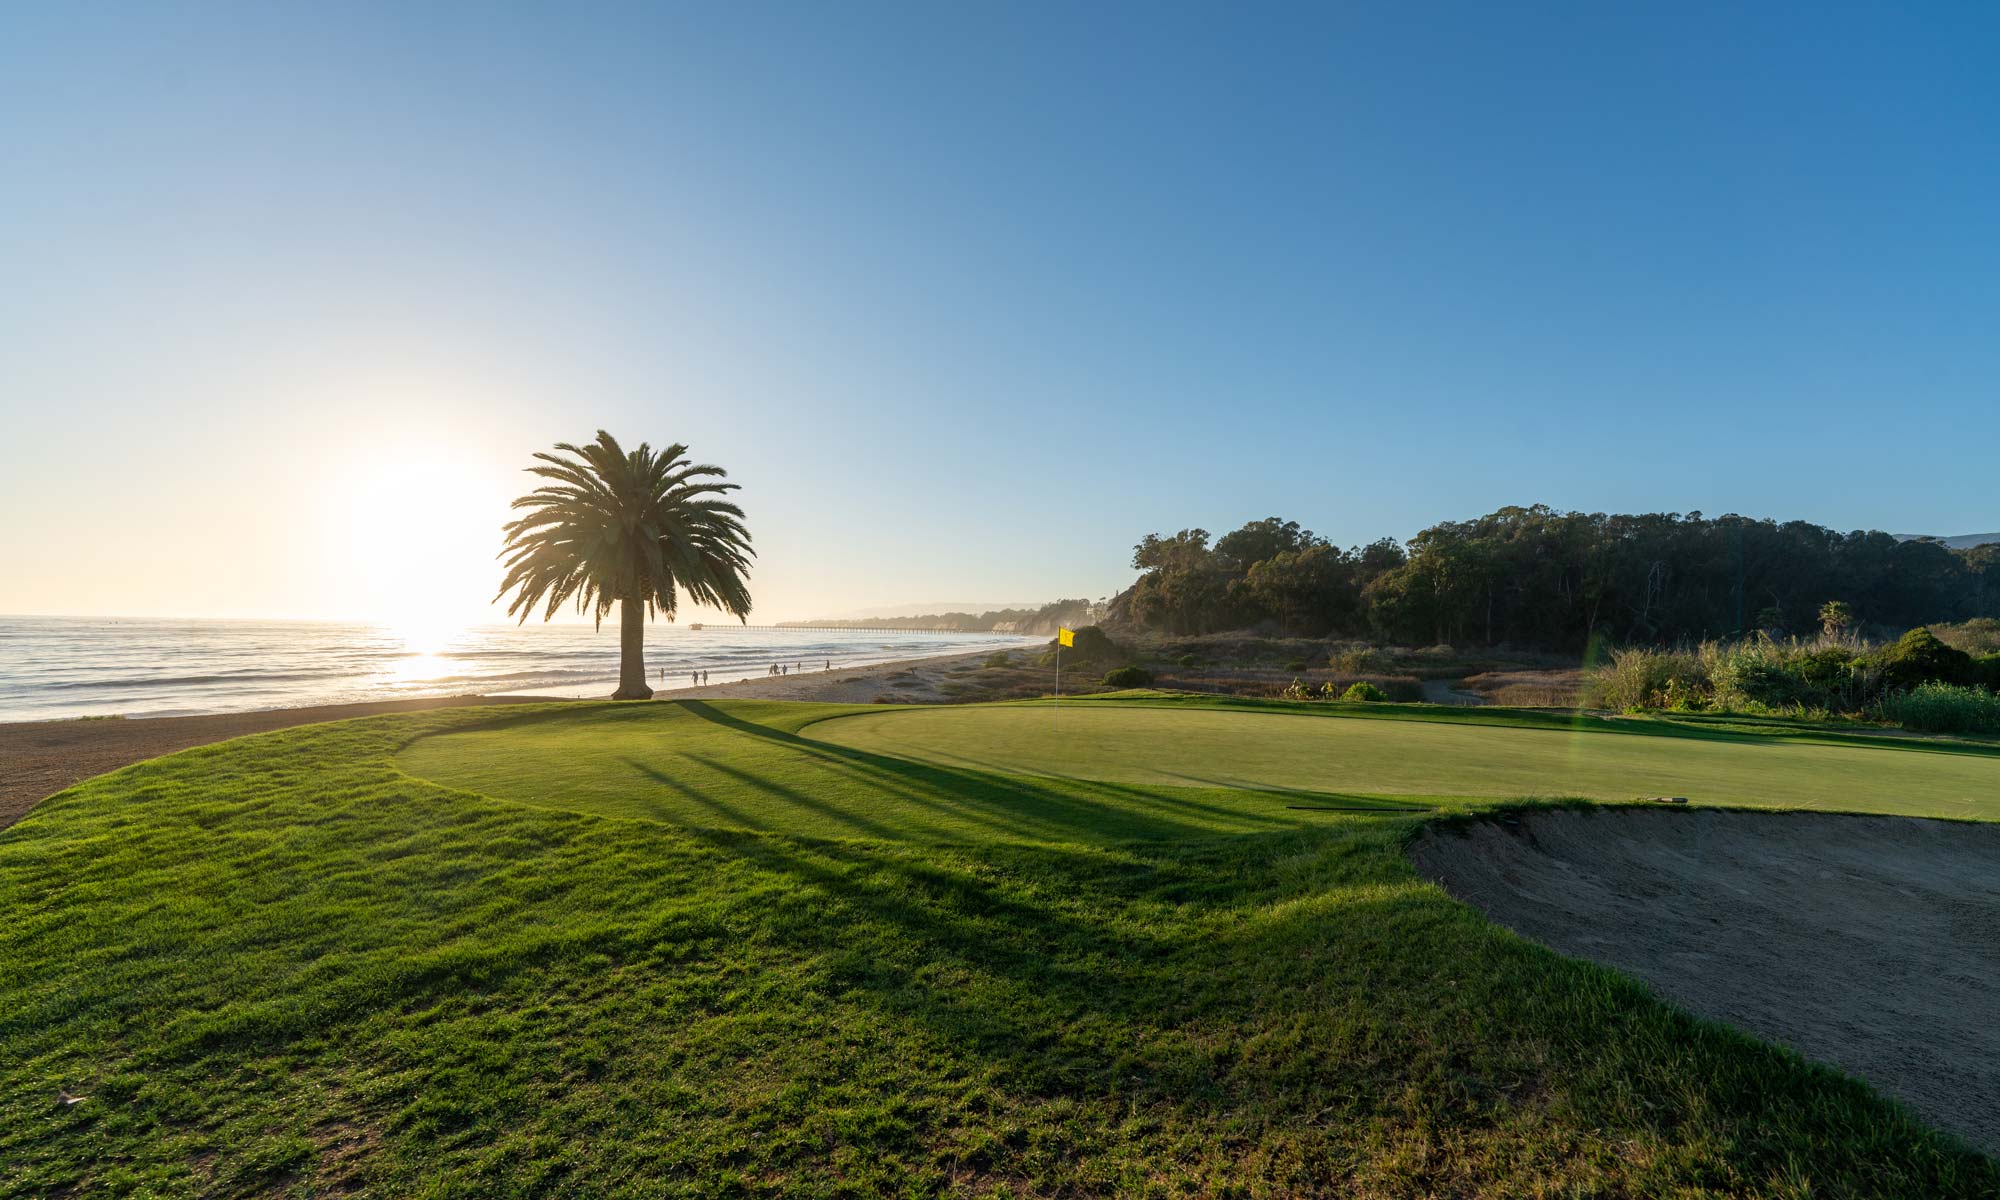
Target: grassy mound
[287, 965]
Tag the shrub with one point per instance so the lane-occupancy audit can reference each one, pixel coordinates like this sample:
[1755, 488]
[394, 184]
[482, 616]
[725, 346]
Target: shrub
[1795, 676]
[1000, 659]
[1988, 667]
[1919, 657]
[1359, 661]
[1128, 677]
[1362, 690]
[1760, 674]
[1944, 708]
[1826, 666]
[1090, 644]
[1649, 679]
[1187, 660]
[1401, 688]
[1297, 664]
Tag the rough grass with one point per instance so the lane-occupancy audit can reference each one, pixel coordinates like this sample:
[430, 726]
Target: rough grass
[286, 966]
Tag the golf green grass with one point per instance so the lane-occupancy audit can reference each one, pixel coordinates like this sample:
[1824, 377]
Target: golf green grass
[1334, 749]
[745, 766]
[703, 950]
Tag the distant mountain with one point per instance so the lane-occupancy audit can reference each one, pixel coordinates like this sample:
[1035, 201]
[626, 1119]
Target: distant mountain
[933, 606]
[975, 618]
[1964, 541]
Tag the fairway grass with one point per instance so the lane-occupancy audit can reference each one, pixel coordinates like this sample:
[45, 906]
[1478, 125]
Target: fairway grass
[690, 949]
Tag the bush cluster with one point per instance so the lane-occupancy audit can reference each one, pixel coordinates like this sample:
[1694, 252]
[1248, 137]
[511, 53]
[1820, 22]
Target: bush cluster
[1944, 708]
[1359, 692]
[1091, 646]
[1811, 677]
[1128, 677]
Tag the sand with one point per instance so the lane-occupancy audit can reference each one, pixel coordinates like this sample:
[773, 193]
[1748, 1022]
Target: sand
[41, 758]
[1868, 943]
[907, 681]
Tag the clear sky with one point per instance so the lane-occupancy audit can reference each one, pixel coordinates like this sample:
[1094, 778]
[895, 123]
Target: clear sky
[970, 297]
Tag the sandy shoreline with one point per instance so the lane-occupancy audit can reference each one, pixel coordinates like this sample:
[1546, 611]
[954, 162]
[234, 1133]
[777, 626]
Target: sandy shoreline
[905, 680]
[41, 758]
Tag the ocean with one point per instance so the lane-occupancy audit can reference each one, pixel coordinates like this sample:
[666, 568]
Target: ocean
[54, 668]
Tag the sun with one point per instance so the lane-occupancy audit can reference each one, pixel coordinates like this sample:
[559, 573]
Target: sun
[414, 532]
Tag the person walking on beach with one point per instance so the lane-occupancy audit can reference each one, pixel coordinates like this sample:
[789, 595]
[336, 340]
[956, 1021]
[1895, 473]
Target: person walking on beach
[829, 664]
[694, 678]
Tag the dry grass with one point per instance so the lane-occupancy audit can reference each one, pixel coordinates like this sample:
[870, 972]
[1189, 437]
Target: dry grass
[1981, 635]
[1272, 681]
[1528, 689]
[1017, 675]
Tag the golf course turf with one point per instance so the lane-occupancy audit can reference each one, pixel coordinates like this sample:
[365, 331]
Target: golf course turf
[1395, 751]
[763, 948]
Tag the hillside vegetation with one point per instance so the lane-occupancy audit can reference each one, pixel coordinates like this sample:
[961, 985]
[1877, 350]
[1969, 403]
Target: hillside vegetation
[1535, 578]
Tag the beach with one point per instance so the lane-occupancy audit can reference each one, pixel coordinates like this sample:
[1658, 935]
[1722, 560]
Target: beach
[42, 758]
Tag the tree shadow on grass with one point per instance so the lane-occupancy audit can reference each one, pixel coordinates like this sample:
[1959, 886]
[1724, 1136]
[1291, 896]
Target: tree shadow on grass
[1196, 990]
[1025, 808]
[734, 817]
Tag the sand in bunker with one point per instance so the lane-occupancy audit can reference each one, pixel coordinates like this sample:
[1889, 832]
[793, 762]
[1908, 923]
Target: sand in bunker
[1868, 943]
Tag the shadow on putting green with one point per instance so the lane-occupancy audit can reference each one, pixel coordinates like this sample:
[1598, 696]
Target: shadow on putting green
[996, 795]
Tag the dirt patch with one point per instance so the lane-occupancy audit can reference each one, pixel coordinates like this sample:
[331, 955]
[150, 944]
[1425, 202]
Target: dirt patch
[1868, 943]
[41, 758]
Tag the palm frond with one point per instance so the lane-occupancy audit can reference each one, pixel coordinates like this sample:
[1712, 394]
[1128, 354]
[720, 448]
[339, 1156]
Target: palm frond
[612, 525]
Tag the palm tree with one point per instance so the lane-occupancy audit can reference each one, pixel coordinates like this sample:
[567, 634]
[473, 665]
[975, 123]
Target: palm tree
[633, 528]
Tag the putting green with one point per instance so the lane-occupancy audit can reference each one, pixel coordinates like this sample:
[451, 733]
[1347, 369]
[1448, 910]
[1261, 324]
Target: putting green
[1201, 747]
[740, 765]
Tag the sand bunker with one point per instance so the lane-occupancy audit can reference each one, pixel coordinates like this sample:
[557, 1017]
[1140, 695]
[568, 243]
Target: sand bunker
[1869, 943]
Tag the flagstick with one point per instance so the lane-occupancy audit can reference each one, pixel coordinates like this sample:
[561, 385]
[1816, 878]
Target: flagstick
[1056, 708]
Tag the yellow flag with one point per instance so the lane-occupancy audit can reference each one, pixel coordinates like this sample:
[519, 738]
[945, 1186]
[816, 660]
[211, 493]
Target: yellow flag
[1065, 637]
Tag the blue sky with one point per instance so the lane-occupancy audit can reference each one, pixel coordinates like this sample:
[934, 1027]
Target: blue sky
[969, 299]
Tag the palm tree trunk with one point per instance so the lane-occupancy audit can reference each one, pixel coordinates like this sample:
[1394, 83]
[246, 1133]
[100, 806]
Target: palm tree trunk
[632, 652]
